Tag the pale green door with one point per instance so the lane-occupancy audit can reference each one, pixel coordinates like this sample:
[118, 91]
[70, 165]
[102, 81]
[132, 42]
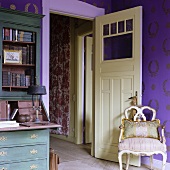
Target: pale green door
[118, 76]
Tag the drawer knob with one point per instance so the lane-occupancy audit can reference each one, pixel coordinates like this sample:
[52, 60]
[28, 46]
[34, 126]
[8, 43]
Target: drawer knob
[34, 151]
[3, 153]
[33, 166]
[34, 136]
[3, 138]
[3, 168]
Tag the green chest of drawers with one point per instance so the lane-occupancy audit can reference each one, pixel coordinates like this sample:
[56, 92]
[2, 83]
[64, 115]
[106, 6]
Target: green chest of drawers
[24, 150]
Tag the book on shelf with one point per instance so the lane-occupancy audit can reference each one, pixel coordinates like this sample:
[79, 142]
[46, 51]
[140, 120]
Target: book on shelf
[23, 36]
[14, 34]
[17, 80]
[32, 54]
[6, 78]
[13, 79]
[30, 72]
[22, 79]
[27, 80]
[10, 34]
[28, 55]
[24, 55]
[6, 32]
[18, 35]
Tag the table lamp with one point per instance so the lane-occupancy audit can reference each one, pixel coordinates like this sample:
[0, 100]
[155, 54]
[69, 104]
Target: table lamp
[38, 91]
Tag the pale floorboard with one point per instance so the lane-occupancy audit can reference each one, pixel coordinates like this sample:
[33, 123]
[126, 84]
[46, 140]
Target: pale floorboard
[77, 157]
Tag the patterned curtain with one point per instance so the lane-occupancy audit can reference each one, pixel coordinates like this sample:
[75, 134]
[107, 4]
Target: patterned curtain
[60, 72]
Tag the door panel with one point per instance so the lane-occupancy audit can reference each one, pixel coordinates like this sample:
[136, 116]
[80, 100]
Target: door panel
[88, 91]
[118, 63]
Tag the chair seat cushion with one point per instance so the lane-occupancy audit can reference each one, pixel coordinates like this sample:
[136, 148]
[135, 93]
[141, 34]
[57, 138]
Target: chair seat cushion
[142, 144]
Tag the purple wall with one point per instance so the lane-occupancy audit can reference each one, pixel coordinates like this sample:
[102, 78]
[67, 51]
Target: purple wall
[156, 57]
[23, 5]
[106, 4]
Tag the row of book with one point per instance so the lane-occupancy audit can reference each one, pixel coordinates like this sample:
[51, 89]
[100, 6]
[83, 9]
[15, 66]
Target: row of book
[28, 52]
[17, 79]
[18, 35]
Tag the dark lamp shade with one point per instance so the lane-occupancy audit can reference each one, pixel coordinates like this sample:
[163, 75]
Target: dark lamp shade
[36, 90]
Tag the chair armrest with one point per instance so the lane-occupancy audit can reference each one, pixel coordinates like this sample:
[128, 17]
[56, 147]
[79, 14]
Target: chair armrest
[121, 133]
[162, 134]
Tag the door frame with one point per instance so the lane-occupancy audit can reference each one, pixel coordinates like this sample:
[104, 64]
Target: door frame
[59, 7]
[79, 44]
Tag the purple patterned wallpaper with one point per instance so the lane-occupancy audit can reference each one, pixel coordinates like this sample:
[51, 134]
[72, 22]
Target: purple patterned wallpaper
[156, 48]
[23, 5]
[156, 57]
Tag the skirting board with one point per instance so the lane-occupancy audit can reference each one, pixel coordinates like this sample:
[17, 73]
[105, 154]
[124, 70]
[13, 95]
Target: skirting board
[66, 138]
[157, 164]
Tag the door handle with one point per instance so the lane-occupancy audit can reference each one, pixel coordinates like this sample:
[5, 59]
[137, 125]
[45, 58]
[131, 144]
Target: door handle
[134, 100]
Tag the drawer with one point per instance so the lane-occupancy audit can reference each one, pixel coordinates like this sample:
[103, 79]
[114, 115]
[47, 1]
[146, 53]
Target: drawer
[23, 153]
[26, 111]
[24, 137]
[3, 109]
[30, 165]
[26, 104]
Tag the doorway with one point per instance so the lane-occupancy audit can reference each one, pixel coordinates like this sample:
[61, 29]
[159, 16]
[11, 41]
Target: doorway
[79, 29]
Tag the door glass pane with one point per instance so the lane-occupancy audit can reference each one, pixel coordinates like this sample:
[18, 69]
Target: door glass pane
[114, 28]
[106, 29]
[121, 26]
[129, 25]
[118, 47]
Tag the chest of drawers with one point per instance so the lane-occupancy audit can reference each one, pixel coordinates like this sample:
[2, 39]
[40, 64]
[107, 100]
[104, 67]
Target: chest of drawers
[24, 150]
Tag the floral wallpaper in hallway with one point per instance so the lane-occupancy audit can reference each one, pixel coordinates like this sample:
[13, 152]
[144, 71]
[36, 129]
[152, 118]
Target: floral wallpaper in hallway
[60, 72]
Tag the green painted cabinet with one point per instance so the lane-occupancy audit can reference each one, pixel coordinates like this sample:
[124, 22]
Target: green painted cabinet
[20, 47]
[24, 150]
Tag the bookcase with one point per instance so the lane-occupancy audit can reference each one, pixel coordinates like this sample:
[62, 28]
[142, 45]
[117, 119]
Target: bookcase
[19, 53]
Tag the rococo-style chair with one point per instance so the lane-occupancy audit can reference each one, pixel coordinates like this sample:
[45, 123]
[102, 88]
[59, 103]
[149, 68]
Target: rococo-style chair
[141, 137]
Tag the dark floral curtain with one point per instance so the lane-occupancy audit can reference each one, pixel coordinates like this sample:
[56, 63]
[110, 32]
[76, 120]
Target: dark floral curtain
[60, 72]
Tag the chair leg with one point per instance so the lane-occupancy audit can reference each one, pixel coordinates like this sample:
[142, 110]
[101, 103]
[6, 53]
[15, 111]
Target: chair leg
[120, 160]
[164, 160]
[127, 161]
[151, 161]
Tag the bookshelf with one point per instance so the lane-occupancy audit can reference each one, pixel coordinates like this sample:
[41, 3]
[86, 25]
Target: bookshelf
[19, 52]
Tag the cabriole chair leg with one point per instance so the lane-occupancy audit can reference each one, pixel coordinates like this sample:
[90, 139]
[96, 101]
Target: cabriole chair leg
[164, 156]
[127, 161]
[120, 160]
[151, 161]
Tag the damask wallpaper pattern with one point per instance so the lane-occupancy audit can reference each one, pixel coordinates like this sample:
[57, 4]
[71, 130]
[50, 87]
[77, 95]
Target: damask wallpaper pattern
[156, 57]
[24, 5]
[60, 72]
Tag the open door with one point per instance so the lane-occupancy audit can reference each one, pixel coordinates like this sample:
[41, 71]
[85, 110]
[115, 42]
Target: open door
[118, 76]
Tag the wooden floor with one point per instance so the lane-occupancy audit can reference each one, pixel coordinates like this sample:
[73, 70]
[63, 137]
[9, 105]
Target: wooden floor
[77, 157]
